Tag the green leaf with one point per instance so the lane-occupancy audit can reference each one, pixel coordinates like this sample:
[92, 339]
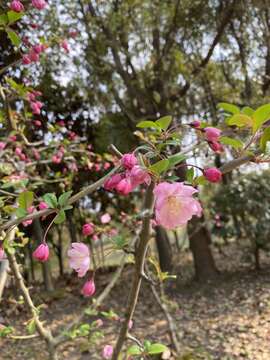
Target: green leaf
[159, 166]
[51, 200]
[176, 159]
[20, 212]
[247, 111]
[235, 143]
[200, 180]
[260, 116]
[240, 120]
[63, 199]
[264, 139]
[156, 349]
[60, 217]
[3, 19]
[25, 199]
[14, 16]
[229, 108]
[147, 124]
[31, 327]
[164, 122]
[190, 174]
[134, 350]
[14, 38]
[6, 330]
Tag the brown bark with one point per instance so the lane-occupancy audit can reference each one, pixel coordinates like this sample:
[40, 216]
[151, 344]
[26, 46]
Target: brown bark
[164, 249]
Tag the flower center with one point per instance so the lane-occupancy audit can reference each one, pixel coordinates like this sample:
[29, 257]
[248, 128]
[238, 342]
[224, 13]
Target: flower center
[174, 205]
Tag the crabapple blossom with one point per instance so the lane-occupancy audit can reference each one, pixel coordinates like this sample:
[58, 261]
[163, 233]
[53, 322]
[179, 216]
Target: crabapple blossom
[79, 258]
[107, 352]
[174, 204]
[139, 176]
[212, 134]
[33, 56]
[124, 187]
[105, 218]
[43, 206]
[89, 288]
[16, 6]
[26, 60]
[2, 145]
[196, 124]
[2, 253]
[128, 161]
[88, 229]
[39, 4]
[41, 253]
[216, 146]
[65, 46]
[112, 182]
[213, 174]
[30, 210]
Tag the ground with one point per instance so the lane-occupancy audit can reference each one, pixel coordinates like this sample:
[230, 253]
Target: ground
[226, 319]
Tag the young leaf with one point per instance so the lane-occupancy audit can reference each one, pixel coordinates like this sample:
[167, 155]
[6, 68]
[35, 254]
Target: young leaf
[14, 16]
[31, 327]
[134, 350]
[235, 143]
[229, 108]
[147, 124]
[25, 199]
[51, 200]
[159, 166]
[176, 159]
[265, 138]
[240, 120]
[260, 116]
[63, 199]
[156, 349]
[20, 212]
[247, 111]
[60, 217]
[14, 38]
[164, 122]
[3, 19]
[190, 174]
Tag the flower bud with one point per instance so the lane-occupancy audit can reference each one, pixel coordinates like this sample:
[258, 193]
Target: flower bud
[111, 183]
[105, 218]
[41, 253]
[89, 288]
[195, 124]
[212, 134]
[216, 146]
[129, 160]
[213, 174]
[43, 206]
[88, 229]
[16, 6]
[124, 187]
[39, 4]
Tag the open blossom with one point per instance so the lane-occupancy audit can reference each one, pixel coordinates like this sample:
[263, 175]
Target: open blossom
[212, 134]
[16, 6]
[107, 352]
[89, 288]
[105, 218]
[139, 176]
[79, 258]
[88, 229]
[41, 253]
[39, 4]
[174, 204]
[128, 161]
[213, 174]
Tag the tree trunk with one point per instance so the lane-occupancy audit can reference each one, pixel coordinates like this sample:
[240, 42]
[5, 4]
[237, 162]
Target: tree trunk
[3, 276]
[199, 239]
[164, 249]
[46, 269]
[71, 226]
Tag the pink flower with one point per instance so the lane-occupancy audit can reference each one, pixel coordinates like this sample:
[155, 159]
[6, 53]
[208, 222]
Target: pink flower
[139, 176]
[95, 237]
[88, 229]
[212, 134]
[112, 182]
[216, 146]
[42, 205]
[129, 160]
[33, 56]
[89, 288]
[41, 253]
[124, 187]
[56, 159]
[107, 352]
[196, 124]
[36, 106]
[64, 45]
[2, 145]
[39, 4]
[18, 151]
[174, 204]
[105, 218]
[2, 253]
[79, 258]
[26, 60]
[37, 123]
[107, 165]
[213, 174]
[39, 48]
[16, 6]
[12, 138]
[36, 154]
[30, 210]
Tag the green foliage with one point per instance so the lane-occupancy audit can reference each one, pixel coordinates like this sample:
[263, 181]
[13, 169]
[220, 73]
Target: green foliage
[5, 331]
[51, 200]
[25, 199]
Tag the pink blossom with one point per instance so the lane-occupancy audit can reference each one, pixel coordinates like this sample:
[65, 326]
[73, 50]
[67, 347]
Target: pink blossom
[107, 352]
[107, 165]
[79, 258]
[26, 60]
[12, 138]
[95, 237]
[213, 174]
[37, 123]
[39, 48]
[16, 6]
[174, 204]
[196, 124]
[39, 4]
[113, 232]
[212, 134]
[36, 154]
[139, 176]
[129, 160]
[2, 145]
[89, 288]
[36, 106]
[18, 151]
[41, 253]
[105, 218]
[112, 182]
[42, 205]
[30, 210]
[2, 253]
[65, 46]
[88, 229]
[33, 56]
[216, 146]
[124, 187]
[56, 159]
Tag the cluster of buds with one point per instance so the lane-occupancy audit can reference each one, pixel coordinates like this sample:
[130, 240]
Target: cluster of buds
[33, 54]
[211, 135]
[34, 103]
[133, 176]
[58, 157]
[17, 5]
